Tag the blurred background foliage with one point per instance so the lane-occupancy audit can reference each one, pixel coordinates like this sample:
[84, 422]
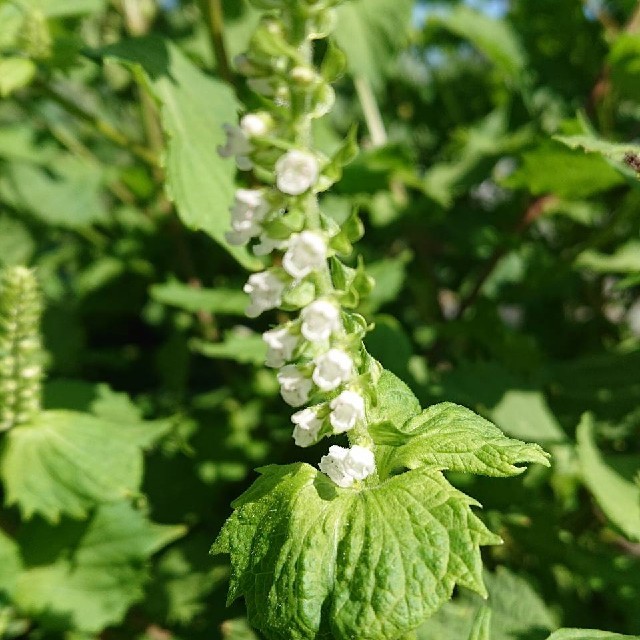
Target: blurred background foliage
[508, 271]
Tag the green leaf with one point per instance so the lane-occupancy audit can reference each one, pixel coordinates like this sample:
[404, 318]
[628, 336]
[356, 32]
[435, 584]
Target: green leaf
[550, 168]
[371, 33]
[395, 404]
[63, 8]
[183, 581]
[16, 243]
[10, 564]
[219, 300]
[452, 437]
[589, 143]
[66, 462]
[495, 39]
[625, 259]
[390, 278]
[66, 194]
[516, 405]
[240, 345]
[517, 612]
[85, 575]
[194, 107]
[311, 559]
[481, 629]
[617, 496]
[588, 634]
[15, 73]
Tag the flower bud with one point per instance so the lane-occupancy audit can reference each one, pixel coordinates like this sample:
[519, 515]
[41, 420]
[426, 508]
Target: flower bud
[303, 75]
[256, 124]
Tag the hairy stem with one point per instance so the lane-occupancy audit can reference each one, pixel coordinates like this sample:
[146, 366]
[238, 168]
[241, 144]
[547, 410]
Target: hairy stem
[214, 18]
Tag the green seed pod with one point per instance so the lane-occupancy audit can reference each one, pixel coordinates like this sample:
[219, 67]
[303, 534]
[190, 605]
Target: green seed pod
[20, 347]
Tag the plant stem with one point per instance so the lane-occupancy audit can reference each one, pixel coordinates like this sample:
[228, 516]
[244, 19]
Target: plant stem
[214, 18]
[371, 111]
[103, 127]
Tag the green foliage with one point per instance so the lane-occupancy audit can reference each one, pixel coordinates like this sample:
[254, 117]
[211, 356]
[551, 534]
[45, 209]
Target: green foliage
[94, 571]
[370, 32]
[481, 629]
[65, 463]
[618, 497]
[500, 208]
[333, 559]
[451, 437]
[193, 110]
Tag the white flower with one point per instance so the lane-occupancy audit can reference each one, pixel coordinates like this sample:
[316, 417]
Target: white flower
[265, 289]
[254, 124]
[332, 369]
[267, 245]
[346, 410]
[305, 433]
[281, 345]
[319, 320]
[360, 462]
[294, 385]
[307, 252]
[344, 466]
[296, 172]
[247, 212]
[237, 145]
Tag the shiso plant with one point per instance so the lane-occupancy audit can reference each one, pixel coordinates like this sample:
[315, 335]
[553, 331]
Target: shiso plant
[372, 541]
[343, 259]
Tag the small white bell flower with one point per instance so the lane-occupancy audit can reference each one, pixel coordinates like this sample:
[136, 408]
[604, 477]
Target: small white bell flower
[319, 320]
[247, 212]
[296, 172]
[344, 466]
[332, 369]
[346, 410]
[265, 289]
[267, 245]
[307, 252]
[281, 345]
[237, 145]
[307, 426]
[294, 385]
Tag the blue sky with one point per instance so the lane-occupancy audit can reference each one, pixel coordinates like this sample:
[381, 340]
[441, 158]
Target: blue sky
[494, 8]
